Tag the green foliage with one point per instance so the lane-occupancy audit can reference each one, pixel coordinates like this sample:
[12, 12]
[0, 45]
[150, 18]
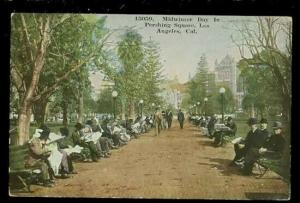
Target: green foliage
[260, 90]
[137, 73]
[104, 103]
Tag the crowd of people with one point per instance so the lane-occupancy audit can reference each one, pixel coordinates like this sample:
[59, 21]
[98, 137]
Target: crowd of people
[163, 119]
[49, 153]
[92, 141]
[53, 155]
[258, 143]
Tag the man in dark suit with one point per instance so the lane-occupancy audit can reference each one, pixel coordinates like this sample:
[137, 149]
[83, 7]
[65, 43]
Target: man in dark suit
[169, 118]
[272, 148]
[253, 141]
[263, 127]
[180, 117]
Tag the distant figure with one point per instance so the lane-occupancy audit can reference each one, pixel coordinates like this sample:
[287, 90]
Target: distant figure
[157, 121]
[169, 118]
[164, 122]
[180, 117]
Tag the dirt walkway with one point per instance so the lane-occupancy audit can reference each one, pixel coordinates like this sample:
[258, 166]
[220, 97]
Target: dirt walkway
[177, 164]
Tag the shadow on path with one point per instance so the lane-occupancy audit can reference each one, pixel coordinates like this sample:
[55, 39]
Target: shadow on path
[222, 165]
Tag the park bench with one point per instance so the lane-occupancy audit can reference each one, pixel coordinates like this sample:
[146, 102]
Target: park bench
[18, 174]
[264, 164]
[223, 132]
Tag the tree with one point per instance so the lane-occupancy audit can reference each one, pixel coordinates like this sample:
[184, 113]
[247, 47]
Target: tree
[260, 93]
[130, 54]
[202, 86]
[47, 47]
[269, 43]
[202, 65]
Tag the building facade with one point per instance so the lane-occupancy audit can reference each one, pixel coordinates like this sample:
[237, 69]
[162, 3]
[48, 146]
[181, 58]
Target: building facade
[227, 73]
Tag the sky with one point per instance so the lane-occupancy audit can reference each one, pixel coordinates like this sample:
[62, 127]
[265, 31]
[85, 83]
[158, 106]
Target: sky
[180, 53]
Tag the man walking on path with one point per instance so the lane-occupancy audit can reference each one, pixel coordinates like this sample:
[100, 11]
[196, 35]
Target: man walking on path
[180, 117]
[157, 120]
[169, 118]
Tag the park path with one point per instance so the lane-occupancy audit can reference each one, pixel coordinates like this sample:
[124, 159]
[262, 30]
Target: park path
[176, 164]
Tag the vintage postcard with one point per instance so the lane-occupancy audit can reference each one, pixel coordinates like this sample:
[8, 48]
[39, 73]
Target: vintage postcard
[150, 106]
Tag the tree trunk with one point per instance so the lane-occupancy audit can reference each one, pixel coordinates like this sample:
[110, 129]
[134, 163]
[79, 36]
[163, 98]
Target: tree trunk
[26, 107]
[131, 110]
[24, 123]
[80, 108]
[40, 111]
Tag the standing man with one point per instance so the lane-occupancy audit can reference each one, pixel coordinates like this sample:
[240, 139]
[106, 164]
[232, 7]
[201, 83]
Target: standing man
[170, 118]
[157, 121]
[180, 117]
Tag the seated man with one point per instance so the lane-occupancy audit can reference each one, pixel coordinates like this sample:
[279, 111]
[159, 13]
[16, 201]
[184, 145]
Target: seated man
[37, 158]
[59, 161]
[271, 149]
[76, 137]
[210, 126]
[103, 141]
[253, 141]
[108, 132]
[229, 132]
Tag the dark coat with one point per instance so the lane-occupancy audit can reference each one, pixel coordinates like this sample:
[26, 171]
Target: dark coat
[169, 115]
[255, 139]
[265, 133]
[180, 116]
[233, 128]
[275, 143]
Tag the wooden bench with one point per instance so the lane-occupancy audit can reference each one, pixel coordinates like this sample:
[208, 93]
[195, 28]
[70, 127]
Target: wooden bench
[18, 174]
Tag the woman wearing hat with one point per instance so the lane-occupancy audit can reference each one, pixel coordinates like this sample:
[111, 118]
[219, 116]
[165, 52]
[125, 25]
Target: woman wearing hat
[273, 148]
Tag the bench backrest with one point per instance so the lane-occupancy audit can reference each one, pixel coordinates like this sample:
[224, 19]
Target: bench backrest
[17, 156]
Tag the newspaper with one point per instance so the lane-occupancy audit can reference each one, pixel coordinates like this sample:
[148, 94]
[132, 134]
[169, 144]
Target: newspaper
[94, 137]
[70, 149]
[237, 140]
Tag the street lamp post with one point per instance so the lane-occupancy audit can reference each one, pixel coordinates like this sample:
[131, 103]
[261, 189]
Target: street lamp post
[114, 95]
[205, 108]
[222, 92]
[198, 109]
[141, 103]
